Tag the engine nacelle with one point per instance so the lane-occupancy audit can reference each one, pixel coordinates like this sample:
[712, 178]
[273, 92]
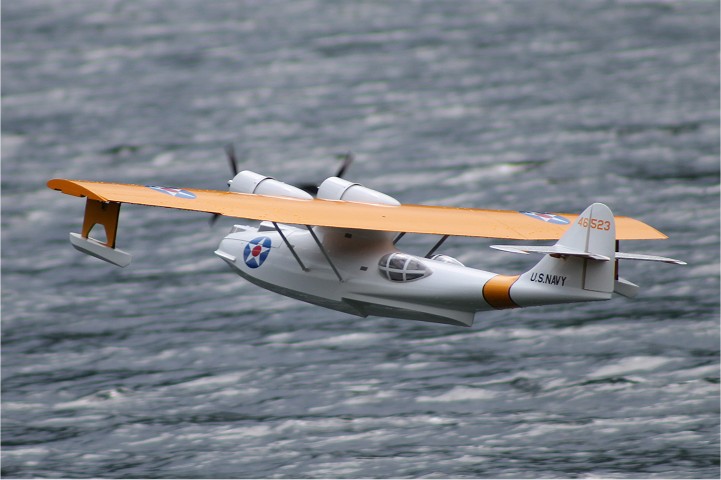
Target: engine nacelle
[251, 182]
[335, 188]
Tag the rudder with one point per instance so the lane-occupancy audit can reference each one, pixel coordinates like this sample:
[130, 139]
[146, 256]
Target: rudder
[580, 266]
[600, 228]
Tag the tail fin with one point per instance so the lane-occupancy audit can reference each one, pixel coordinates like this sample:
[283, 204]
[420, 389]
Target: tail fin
[579, 267]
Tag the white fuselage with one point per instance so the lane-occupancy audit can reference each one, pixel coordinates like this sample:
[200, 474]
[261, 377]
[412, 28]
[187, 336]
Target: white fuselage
[447, 293]
[362, 273]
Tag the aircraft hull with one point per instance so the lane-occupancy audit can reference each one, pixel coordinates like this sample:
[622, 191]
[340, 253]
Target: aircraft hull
[449, 294]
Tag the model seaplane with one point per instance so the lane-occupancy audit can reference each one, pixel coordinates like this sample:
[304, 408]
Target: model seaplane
[338, 250]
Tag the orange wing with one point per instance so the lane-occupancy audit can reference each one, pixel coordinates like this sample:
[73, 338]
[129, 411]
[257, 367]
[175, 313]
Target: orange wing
[327, 213]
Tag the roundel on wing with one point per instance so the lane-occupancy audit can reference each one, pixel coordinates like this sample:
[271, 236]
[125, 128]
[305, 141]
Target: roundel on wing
[256, 252]
[172, 191]
[548, 217]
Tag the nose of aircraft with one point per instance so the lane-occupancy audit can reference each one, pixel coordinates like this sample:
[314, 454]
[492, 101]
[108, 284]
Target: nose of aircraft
[228, 250]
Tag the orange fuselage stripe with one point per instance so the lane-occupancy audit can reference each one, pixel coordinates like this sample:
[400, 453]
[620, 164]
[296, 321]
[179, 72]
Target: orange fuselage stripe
[497, 291]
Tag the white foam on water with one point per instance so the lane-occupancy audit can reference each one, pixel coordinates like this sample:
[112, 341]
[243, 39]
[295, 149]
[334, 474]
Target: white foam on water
[349, 339]
[214, 381]
[101, 399]
[172, 368]
[10, 143]
[243, 433]
[630, 365]
[460, 394]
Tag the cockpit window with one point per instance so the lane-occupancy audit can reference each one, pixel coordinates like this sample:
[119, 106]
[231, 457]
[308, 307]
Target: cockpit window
[399, 267]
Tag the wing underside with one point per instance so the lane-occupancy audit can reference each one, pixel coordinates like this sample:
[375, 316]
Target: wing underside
[421, 219]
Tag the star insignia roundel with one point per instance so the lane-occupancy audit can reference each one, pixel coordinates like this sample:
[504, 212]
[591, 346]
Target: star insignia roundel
[172, 191]
[256, 252]
[548, 217]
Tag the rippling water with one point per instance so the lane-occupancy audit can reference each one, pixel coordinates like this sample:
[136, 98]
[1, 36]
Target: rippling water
[174, 367]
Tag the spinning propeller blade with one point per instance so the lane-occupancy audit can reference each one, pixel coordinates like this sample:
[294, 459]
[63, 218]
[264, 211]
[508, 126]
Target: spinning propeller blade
[233, 162]
[310, 188]
[230, 154]
[347, 160]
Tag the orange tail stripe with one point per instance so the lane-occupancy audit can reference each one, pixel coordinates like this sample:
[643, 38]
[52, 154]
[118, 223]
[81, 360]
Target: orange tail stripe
[497, 291]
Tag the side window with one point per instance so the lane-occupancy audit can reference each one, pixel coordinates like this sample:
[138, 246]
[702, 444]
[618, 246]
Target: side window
[399, 267]
[439, 257]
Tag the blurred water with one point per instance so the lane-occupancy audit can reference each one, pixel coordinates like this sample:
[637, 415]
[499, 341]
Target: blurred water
[173, 367]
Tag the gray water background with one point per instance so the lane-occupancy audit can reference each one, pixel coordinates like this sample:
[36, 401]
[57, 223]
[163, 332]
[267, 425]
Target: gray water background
[174, 367]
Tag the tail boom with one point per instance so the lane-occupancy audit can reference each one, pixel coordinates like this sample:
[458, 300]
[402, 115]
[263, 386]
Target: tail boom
[578, 268]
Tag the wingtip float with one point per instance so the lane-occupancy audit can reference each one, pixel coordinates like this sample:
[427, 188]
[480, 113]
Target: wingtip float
[338, 250]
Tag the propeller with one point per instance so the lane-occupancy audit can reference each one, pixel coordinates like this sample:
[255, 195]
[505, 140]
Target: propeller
[233, 162]
[230, 154]
[347, 159]
[311, 188]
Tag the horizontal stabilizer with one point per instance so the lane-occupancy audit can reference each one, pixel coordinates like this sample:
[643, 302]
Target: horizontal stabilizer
[648, 258]
[550, 250]
[96, 249]
[625, 288]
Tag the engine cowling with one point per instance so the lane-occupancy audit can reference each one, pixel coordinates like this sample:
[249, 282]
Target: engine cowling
[251, 182]
[334, 188]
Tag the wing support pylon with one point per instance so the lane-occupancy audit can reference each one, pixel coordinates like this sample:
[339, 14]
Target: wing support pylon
[105, 214]
[325, 254]
[436, 246]
[290, 247]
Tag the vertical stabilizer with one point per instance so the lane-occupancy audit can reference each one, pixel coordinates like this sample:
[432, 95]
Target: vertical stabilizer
[597, 226]
[583, 268]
